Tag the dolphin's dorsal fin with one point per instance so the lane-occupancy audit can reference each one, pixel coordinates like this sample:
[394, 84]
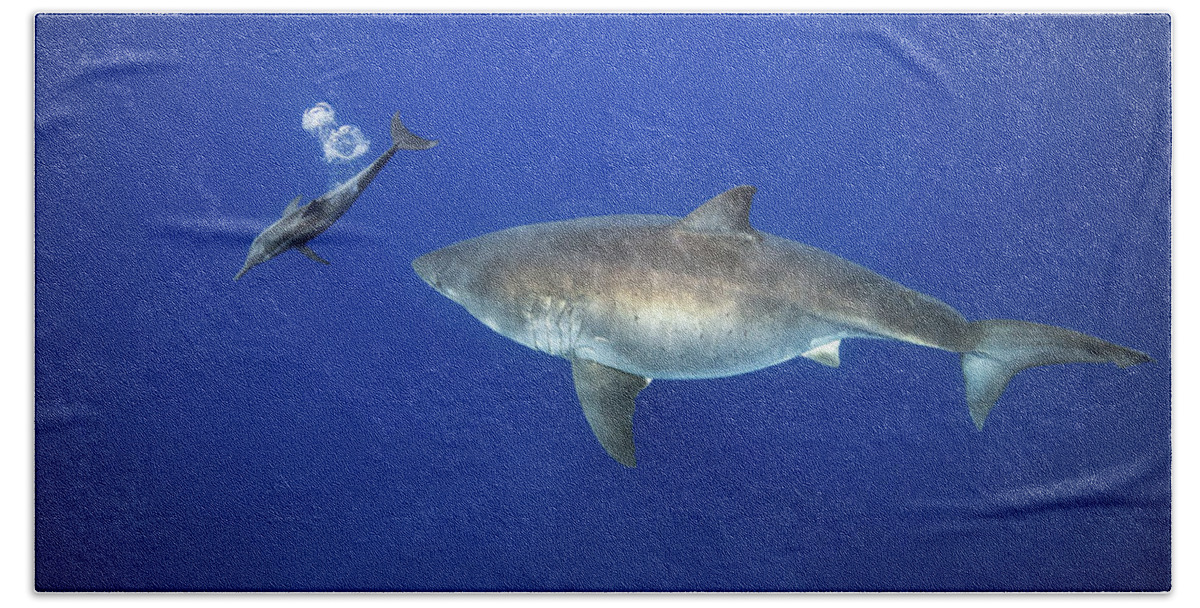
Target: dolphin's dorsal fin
[725, 213]
[292, 206]
[825, 354]
[607, 397]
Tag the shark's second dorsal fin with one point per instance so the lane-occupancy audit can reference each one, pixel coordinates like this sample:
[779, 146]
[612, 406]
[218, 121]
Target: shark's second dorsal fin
[292, 206]
[725, 213]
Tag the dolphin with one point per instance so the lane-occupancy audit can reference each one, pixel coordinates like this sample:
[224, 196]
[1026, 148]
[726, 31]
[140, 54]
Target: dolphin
[628, 298]
[299, 225]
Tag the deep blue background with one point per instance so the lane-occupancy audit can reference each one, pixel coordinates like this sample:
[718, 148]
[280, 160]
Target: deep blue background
[346, 427]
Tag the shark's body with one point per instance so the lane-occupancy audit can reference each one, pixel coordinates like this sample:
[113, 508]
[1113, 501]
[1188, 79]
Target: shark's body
[629, 298]
[301, 224]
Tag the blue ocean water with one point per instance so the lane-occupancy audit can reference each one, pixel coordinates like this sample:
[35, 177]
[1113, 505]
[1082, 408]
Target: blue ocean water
[345, 427]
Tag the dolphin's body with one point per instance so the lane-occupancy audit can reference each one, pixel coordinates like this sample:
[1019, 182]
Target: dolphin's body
[628, 298]
[299, 225]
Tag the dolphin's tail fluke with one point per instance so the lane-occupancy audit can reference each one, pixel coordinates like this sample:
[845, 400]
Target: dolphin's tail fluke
[405, 140]
[1006, 347]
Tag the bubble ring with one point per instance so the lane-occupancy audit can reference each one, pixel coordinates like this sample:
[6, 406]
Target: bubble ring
[340, 144]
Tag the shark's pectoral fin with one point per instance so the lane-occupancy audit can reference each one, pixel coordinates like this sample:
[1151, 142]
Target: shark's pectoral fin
[312, 255]
[607, 396]
[825, 354]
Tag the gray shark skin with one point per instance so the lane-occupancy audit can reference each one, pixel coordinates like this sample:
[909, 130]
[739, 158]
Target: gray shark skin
[627, 298]
[301, 224]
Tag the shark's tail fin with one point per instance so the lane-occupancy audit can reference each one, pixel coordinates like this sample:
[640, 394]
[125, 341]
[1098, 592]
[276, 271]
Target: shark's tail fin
[1006, 347]
[404, 139]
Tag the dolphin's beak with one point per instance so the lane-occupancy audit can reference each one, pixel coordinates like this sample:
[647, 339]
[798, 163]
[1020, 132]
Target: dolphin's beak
[241, 272]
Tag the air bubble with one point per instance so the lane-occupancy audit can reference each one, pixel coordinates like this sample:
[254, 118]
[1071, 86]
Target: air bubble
[345, 143]
[341, 144]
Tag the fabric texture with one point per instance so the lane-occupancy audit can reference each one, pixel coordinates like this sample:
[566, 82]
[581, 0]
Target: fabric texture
[344, 427]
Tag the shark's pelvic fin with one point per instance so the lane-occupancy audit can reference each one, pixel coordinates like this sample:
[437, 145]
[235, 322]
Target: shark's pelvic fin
[607, 396]
[312, 255]
[825, 354]
[293, 206]
[1006, 347]
[404, 139]
[726, 213]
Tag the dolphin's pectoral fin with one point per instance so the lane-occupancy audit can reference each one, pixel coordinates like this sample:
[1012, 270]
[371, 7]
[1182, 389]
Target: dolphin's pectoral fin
[292, 206]
[825, 354]
[312, 255]
[607, 396]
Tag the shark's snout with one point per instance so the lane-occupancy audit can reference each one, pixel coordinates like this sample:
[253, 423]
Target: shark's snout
[428, 268]
[442, 270]
[424, 269]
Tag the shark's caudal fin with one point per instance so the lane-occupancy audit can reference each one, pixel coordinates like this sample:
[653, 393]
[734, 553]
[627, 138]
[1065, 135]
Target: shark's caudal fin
[1006, 347]
[404, 139]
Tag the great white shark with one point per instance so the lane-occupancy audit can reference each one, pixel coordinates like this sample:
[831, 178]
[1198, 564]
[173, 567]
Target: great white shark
[628, 298]
[301, 224]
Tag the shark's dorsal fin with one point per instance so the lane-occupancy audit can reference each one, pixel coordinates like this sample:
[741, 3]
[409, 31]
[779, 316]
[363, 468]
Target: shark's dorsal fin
[607, 396]
[725, 213]
[825, 354]
[292, 206]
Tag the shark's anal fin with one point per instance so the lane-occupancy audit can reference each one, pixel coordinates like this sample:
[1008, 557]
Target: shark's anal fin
[825, 354]
[292, 206]
[312, 255]
[607, 396]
